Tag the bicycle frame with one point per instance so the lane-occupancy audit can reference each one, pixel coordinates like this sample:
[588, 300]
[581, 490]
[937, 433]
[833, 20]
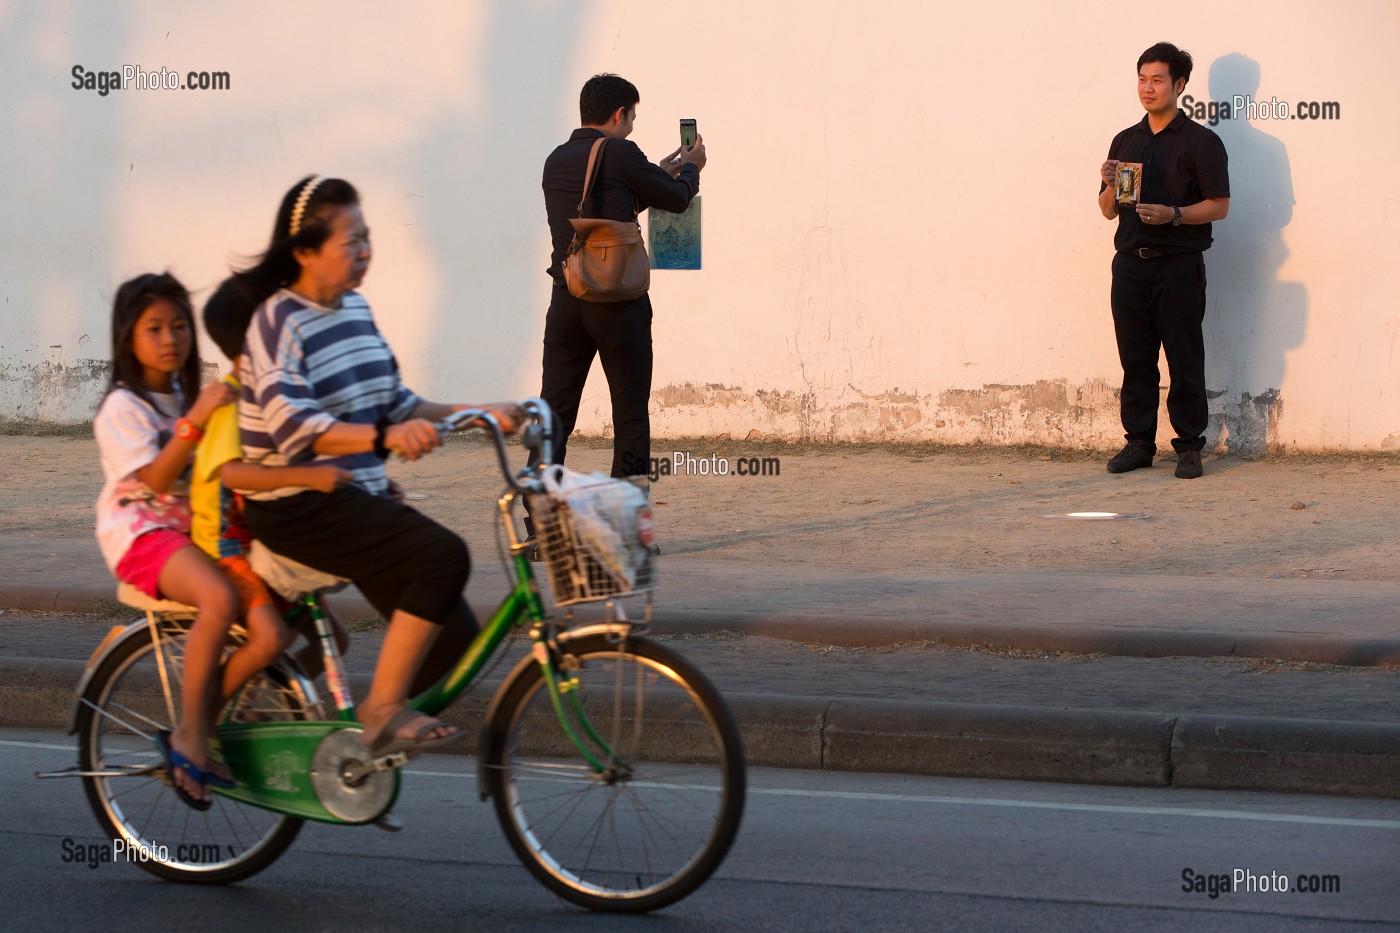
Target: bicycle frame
[521, 605]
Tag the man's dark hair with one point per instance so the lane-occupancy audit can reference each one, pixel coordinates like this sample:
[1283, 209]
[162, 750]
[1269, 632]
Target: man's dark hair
[1177, 61]
[603, 94]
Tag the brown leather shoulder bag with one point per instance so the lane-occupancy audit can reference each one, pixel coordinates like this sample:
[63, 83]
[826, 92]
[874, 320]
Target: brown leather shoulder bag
[607, 260]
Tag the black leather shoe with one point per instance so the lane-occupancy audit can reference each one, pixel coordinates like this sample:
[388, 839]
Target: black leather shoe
[1134, 455]
[1188, 464]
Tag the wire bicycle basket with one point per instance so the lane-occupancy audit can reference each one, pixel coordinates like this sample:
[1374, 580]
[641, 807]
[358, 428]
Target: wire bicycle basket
[594, 535]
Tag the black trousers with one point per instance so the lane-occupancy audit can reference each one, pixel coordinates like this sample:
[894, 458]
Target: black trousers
[1159, 304]
[398, 557]
[619, 334]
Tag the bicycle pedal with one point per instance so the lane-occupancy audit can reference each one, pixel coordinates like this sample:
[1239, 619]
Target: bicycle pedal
[389, 823]
[389, 762]
[357, 772]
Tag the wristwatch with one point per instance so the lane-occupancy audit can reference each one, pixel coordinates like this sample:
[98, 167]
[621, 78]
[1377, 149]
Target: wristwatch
[187, 430]
[1176, 218]
[381, 427]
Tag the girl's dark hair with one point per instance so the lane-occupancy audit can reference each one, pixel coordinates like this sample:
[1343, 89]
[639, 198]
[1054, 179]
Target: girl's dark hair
[133, 298]
[319, 199]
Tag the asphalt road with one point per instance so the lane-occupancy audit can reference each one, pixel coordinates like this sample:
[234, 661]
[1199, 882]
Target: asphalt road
[818, 851]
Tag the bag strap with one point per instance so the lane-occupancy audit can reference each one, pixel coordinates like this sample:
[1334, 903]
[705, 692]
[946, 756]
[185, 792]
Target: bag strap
[591, 172]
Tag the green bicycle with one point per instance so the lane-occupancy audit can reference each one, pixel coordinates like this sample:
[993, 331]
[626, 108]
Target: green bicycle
[614, 766]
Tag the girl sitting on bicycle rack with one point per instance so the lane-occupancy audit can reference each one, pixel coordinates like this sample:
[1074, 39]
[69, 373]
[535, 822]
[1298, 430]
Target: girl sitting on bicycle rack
[146, 431]
[323, 383]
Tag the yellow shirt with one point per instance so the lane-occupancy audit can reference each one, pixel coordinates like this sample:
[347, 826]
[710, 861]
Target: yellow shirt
[218, 527]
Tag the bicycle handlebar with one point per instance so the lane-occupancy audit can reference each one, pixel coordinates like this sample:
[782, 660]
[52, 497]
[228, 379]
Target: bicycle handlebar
[536, 434]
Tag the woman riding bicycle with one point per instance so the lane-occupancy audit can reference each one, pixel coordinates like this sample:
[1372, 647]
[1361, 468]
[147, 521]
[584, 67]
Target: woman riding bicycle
[323, 385]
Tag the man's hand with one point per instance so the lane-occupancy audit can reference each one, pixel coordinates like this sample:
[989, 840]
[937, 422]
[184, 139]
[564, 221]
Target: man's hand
[1108, 172]
[327, 478]
[695, 155]
[1155, 214]
[412, 439]
[671, 165]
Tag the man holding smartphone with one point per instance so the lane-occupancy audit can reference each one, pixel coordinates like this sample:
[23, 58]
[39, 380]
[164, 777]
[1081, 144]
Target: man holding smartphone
[619, 333]
[1159, 273]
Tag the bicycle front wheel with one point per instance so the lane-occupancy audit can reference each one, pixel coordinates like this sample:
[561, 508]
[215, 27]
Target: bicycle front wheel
[660, 817]
[132, 695]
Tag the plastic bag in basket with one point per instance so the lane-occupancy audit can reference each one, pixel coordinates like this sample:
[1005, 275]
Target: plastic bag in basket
[610, 518]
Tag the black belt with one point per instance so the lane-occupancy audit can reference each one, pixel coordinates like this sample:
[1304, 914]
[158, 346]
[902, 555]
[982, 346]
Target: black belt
[1144, 252]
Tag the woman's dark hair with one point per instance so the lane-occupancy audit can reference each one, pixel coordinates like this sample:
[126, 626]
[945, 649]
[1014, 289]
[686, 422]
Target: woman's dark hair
[602, 95]
[133, 298]
[308, 206]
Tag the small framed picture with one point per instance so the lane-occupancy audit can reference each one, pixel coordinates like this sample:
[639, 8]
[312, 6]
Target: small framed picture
[1127, 187]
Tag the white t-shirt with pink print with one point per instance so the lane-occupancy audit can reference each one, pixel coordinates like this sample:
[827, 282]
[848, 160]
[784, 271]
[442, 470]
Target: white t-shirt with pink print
[130, 435]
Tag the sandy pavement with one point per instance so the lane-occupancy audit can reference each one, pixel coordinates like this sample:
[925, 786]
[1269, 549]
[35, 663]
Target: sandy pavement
[1332, 517]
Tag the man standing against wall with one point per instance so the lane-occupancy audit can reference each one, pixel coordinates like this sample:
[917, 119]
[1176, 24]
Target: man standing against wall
[619, 333]
[1159, 273]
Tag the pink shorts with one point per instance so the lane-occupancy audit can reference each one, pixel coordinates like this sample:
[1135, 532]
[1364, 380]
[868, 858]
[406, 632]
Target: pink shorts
[143, 561]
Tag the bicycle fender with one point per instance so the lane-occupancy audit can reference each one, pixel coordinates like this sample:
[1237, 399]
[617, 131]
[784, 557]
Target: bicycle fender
[138, 629]
[493, 731]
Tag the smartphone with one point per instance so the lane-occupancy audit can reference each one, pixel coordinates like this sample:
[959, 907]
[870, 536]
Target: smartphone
[688, 134]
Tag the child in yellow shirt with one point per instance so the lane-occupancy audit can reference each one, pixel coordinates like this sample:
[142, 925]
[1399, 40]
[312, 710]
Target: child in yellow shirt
[218, 527]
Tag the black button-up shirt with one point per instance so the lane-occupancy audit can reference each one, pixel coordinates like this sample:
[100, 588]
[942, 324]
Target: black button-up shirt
[1184, 164]
[627, 182]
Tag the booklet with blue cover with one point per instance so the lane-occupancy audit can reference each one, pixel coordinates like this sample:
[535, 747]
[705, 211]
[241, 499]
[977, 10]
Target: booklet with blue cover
[673, 240]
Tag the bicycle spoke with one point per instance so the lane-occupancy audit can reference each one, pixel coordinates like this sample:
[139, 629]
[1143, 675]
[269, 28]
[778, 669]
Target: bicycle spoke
[117, 719]
[592, 836]
[145, 783]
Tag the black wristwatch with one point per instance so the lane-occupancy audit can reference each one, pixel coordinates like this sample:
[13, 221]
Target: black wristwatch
[380, 427]
[1176, 220]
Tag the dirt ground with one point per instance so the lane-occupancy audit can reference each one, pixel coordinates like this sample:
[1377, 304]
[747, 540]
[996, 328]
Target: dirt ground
[1334, 517]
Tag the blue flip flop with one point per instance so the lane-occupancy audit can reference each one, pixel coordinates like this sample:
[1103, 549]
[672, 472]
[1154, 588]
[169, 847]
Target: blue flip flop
[173, 760]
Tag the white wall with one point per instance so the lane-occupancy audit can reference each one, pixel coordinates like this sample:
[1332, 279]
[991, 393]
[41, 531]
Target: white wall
[901, 240]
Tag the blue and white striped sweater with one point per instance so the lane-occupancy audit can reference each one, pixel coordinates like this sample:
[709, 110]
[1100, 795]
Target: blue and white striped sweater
[310, 367]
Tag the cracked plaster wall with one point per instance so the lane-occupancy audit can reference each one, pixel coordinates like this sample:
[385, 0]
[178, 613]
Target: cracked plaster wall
[894, 247]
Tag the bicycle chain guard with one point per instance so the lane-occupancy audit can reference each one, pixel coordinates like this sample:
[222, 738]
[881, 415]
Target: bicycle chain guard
[298, 768]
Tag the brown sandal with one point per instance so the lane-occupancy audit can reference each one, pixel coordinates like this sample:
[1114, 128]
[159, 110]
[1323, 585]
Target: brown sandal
[387, 742]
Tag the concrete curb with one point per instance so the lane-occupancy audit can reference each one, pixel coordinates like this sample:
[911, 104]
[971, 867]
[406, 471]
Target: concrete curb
[853, 631]
[1145, 749]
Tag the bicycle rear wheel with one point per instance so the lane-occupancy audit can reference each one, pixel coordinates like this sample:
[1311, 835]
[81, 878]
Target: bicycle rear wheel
[660, 818]
[132, 695]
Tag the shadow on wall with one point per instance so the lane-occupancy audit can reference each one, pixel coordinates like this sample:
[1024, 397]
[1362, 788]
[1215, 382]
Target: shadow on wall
[1252, 318]
[50, 369]
[466, 156]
